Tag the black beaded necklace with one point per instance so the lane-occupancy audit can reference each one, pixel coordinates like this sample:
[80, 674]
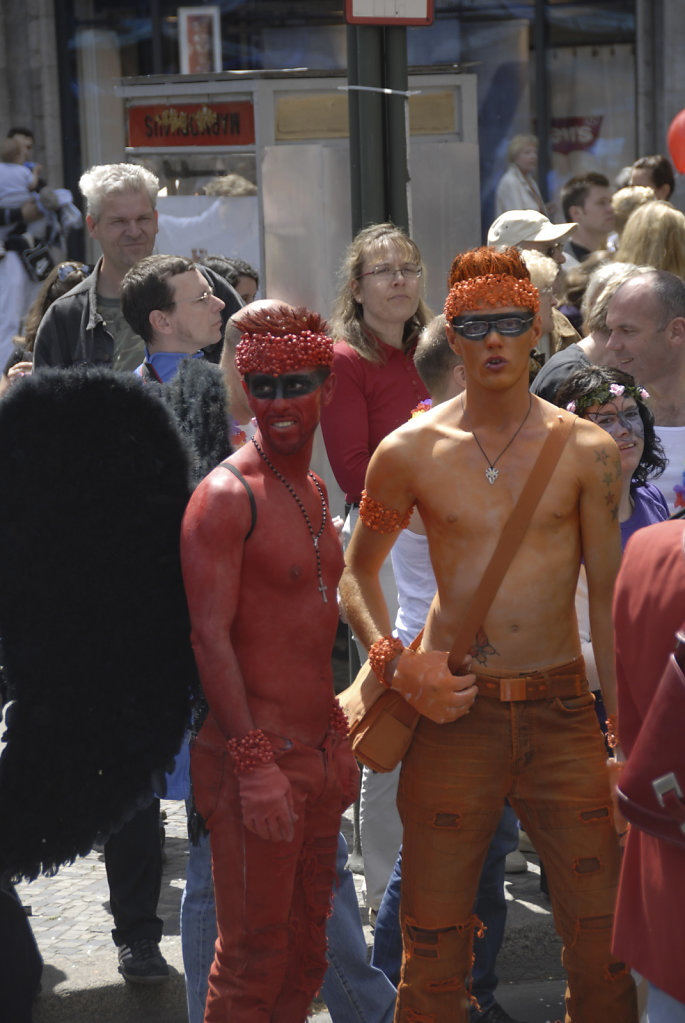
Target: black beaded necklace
[315, 536]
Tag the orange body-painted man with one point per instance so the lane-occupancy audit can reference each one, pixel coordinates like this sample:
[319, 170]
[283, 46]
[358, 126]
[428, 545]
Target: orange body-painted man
[272, 769]
[483, 738]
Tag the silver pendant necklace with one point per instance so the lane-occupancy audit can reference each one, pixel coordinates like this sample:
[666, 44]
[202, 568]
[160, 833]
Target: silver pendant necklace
[315, 536]
[491, 473]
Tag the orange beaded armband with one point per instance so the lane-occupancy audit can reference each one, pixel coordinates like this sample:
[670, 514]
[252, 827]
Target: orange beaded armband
[612, 731]
[251, 751]
[376, 516]
[381, 653]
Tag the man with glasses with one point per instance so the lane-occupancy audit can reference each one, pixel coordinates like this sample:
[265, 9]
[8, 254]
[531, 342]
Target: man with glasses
[87, 327]
[520, 724]
[271, 766]
[168, 302]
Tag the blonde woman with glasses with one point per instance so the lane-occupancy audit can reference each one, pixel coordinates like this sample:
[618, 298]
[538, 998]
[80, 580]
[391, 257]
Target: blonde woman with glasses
[377, 318]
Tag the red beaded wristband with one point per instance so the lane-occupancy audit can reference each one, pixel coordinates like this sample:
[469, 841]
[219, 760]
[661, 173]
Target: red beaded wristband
[381, 653]
[251, 751]
[337, 722]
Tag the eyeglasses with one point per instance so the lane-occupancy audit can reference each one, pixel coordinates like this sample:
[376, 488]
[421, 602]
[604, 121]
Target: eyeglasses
[409, 272]
[66, 269]
[286, 385]
[504, 324]
[204, 297]
[551, 250]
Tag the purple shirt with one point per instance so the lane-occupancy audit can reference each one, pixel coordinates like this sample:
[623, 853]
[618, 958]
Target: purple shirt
[650, 506]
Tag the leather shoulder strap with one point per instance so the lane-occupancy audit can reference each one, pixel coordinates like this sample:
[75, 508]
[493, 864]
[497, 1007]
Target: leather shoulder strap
[512, 534]
[253, 504]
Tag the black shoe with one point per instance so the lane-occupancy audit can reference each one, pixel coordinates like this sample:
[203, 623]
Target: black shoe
[495, 1014]
[141, 962]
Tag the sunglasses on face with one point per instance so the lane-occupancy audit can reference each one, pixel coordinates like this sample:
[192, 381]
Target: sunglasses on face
[505, 324]
[286, 385]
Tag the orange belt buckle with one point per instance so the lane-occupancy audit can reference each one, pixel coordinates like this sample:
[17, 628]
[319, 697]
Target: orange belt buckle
[513, 689]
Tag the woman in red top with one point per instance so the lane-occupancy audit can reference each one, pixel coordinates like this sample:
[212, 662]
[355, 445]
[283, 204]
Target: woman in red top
[378, 316]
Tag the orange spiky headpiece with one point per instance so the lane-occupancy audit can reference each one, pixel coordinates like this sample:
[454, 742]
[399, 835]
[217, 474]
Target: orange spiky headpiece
[483, 278]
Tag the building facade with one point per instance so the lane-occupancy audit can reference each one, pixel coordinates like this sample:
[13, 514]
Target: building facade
[597, 82]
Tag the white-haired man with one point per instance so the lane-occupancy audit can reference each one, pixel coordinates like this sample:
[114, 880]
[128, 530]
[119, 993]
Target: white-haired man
[86, 326]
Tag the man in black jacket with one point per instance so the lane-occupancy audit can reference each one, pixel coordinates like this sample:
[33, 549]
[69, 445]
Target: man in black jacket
[86, 326]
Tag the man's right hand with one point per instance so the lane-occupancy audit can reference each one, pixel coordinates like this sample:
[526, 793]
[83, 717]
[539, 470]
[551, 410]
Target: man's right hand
[425, 682]
[30, 211]
[266, 802]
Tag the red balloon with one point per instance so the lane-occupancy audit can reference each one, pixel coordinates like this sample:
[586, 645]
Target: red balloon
[676, 141]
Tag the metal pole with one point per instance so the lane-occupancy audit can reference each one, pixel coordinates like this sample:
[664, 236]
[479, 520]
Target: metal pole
[156, 32]
[541, 101]
[397, 126]
[366, 126]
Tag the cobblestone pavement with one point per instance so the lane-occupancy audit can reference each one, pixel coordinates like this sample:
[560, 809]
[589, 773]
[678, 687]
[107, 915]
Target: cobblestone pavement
[72, 924]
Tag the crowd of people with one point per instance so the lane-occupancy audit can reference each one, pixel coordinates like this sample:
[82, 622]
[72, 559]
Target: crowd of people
[522, 436]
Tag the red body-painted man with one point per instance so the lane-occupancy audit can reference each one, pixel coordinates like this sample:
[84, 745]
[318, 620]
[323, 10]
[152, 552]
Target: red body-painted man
[522, 724]
[272, 769]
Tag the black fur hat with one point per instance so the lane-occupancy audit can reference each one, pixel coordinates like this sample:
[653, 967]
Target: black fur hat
[93, 617]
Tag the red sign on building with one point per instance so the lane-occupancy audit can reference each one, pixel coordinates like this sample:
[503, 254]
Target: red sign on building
[191, 124]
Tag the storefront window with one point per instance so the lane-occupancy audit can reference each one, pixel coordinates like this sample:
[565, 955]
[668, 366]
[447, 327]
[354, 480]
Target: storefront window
[589, 71]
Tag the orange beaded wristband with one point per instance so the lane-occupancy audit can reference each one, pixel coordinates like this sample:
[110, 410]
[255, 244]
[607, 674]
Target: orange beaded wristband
[381, 653]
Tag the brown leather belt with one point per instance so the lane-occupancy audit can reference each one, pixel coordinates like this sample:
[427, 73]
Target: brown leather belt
[563, 680]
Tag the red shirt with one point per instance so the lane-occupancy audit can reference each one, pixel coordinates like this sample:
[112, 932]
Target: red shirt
[370, 400]
[649, 605]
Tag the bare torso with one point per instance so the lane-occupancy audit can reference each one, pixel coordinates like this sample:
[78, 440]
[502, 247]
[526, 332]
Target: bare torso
[531, 622]
[261, 630]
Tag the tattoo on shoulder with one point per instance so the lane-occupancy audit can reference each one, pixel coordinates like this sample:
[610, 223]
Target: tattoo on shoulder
[482, 648]
[611, 477]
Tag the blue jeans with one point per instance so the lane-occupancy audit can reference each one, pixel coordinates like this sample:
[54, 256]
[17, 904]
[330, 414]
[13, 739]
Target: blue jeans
[353, 991]
[661, 1008]
[198, 927]
[490, 907]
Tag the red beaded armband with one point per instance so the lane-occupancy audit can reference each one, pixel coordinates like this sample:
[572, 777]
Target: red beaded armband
[612, 731]
[337, 721]
[376, 516]
[252, 750]
[381, 653]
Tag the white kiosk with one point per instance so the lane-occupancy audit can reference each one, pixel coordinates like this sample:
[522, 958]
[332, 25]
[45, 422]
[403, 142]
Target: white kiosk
[286, 132]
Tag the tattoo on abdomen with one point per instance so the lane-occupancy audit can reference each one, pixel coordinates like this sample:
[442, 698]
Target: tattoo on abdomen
[481, 648]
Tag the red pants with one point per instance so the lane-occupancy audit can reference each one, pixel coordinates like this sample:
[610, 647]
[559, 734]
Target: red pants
[272, 898]
[547, 756]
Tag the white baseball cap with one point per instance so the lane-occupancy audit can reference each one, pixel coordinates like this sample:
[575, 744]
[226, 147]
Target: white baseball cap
[517, 226]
